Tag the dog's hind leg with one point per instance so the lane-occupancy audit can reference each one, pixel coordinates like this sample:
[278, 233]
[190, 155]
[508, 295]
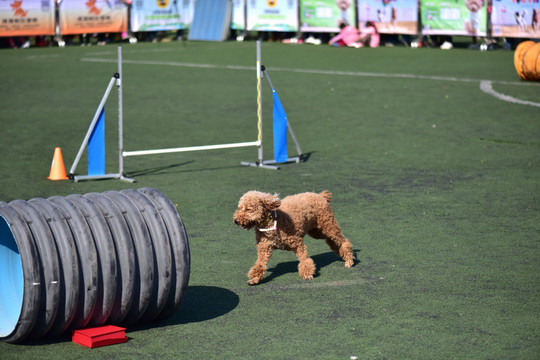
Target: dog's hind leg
[306, 267]
[335, 239]
[343, 250]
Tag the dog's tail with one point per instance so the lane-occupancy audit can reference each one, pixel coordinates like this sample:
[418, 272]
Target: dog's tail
[327, 195]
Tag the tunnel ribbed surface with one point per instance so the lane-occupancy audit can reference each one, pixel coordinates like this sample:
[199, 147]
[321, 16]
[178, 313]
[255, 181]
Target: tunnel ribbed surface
[118, 258]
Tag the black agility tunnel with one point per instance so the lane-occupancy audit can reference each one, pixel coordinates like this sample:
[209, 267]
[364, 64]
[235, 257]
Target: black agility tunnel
[118, 257]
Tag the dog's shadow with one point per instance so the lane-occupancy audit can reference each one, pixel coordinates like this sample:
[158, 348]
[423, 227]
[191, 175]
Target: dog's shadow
[321, 261]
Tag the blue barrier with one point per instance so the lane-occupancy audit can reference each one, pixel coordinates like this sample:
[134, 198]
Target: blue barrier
[96, 147]
[280, 130]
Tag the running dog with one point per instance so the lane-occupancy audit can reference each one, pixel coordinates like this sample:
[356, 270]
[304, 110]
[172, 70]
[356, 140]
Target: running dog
[282, 224]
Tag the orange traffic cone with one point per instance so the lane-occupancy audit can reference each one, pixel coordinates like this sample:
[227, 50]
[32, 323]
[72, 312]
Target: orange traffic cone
[58, 170]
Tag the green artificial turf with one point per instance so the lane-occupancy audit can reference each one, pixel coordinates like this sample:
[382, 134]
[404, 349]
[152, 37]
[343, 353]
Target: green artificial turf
[435, 182]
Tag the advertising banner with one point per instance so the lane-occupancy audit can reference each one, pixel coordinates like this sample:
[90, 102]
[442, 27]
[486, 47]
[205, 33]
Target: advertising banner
[454, 17]
[238, 21]
[155, 15]
[272, 15]
[390, 16]
[326, 15]
[186, 12]
[92, 16]
[516, 18]
[26, 17]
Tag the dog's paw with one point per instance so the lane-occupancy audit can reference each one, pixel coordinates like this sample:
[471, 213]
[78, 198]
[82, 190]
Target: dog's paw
[307, 277]
[253, 281]
[349, 263]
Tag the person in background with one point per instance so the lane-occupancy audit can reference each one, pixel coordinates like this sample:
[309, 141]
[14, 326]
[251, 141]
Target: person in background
[19, 42]
[347, 36]
[369, 37]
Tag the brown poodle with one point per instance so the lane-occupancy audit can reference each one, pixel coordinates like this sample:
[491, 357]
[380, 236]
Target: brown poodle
[282, 224]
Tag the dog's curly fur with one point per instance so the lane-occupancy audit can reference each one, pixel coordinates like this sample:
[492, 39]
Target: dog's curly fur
[282, 224]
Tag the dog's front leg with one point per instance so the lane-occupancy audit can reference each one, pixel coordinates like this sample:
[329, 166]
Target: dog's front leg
[306, 267]
[256, 274]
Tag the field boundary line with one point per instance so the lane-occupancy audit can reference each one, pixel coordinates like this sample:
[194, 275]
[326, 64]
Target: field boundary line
[485, 85]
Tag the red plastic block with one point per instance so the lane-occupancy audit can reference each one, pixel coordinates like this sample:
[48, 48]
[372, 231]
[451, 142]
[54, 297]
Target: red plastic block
[100, 336]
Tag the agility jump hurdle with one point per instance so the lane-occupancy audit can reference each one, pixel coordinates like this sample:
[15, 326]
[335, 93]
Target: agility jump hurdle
[99, 116]
[97, 121]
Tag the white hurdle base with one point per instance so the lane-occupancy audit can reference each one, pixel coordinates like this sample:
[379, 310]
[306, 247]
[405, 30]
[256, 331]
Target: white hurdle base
[76, 178]
[270, 164]
[259, 165]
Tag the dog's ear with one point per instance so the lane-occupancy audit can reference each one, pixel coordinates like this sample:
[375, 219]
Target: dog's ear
[272, 202]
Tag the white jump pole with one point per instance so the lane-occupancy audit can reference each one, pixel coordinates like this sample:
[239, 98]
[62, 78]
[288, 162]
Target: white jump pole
[261, 162]
[259, 102]
[121, 121]
[190, 148]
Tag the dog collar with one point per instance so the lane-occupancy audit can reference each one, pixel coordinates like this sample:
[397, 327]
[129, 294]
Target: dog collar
[274, 227]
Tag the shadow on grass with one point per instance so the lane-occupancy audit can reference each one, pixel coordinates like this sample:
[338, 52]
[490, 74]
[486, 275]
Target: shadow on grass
[161, 170]
[321, 261]
[201, 303]
[158, 169]
[305, 157]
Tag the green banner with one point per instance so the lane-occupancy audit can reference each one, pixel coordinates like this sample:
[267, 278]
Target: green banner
[461, 17]
[326, 15]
